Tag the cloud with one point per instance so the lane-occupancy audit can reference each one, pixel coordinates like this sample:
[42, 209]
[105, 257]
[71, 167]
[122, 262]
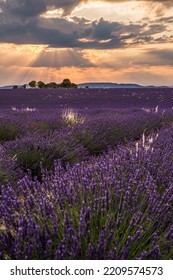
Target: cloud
[166, 19]
[148, 77]
[155, 57]
[76, 32]
[21, 23]
[61, 58]
[23, 8]
[31, 8]
[119, 60]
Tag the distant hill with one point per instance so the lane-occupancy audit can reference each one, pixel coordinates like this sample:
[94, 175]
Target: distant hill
[11, 86]
[106, 85]
[114, 85]
[6, 87]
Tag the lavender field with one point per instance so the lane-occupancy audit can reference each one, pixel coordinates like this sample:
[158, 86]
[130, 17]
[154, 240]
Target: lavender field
[87, 98]
[86, 174]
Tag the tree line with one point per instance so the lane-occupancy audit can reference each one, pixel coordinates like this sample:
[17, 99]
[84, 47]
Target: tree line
[66, 83]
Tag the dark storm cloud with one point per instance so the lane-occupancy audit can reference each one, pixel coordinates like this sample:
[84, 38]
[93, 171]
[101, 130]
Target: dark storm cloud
[103, 30]
[146, 35]
[23, 8]
[31, 31]
[20, 23]
[30, 8]
[79, 33]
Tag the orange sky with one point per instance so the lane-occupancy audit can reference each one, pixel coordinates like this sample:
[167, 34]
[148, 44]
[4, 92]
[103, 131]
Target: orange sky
[113, 41]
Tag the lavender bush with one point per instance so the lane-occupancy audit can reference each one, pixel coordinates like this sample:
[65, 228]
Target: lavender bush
[101, 132]
[66, 203]
[116, 206]
[9, 169]
[76, 138]
[9, 130]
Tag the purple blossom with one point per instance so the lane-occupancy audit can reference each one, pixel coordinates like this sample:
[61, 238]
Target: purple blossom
[113, 206]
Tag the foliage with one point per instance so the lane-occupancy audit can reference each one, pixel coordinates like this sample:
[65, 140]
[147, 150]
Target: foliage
[8, 131]
[9, 169]
[77, 184]
[32, 84]
[66, 83]
[40, 84]
[117, 206]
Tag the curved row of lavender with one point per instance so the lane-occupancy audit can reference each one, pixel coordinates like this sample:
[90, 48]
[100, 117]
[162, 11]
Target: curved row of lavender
[34, 137]
[117, 206]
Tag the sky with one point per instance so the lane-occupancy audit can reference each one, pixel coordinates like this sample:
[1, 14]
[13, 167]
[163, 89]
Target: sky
[86, 41]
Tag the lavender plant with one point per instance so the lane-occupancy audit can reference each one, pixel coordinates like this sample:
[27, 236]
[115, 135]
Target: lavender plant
[115, 206]
[43, 148]
[9, 169]
[8, 130]
[44, 140]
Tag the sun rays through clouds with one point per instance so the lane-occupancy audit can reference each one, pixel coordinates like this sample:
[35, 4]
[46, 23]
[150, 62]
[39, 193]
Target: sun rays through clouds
[83, 38]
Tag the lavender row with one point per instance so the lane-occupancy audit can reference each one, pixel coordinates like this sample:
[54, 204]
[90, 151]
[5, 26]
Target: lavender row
[73, 137]
[21, 122]
[116, 206]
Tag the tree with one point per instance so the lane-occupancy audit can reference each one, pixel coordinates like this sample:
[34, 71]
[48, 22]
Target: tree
[73, 85]
[15, 87]
[32, 84]
[66, 83]
[40, 84]
[51, 85]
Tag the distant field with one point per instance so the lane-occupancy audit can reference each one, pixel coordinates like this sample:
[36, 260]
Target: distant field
[86, 174]
[87, 98]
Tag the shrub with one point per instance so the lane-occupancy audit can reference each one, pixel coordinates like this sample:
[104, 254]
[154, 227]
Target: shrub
[45, 148]
[8, 131]
[9, 169]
